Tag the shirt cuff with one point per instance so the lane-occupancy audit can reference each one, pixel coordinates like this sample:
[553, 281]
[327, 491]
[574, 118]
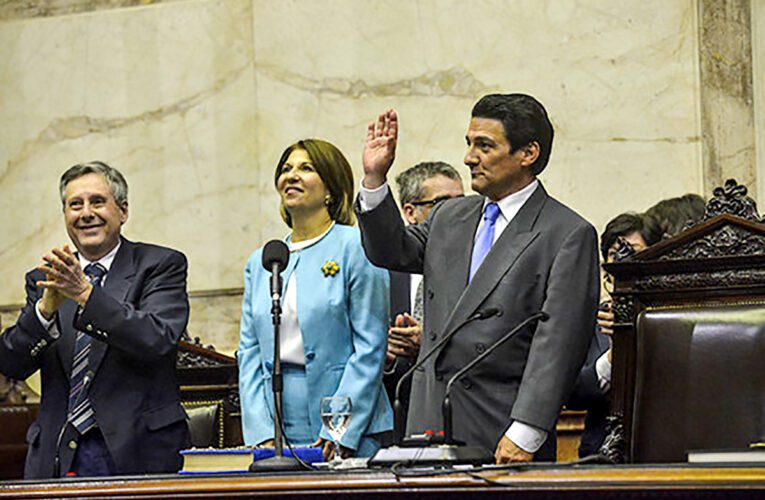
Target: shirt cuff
[370, 198]
[603, 370]
[392, 369]
[48, 324]
[526, 437]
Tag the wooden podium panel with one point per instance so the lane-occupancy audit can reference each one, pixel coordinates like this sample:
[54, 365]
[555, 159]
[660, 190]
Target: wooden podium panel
[676, 481]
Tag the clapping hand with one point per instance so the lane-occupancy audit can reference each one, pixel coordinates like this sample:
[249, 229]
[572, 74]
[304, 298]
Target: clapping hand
[404, 337]
[64, 278]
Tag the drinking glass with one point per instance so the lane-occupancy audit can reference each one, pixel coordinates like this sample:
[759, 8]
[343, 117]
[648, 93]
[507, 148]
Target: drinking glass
[336, 416]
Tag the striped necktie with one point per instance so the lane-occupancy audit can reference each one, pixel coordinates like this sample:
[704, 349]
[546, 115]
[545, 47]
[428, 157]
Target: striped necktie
[80, 410]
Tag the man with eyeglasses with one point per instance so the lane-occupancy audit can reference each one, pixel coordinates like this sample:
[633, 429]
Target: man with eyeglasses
[420, 188]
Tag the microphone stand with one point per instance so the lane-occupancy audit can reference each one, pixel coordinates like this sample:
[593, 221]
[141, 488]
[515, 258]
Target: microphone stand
[398, 410]
[278, 462]
[446, 406]
[429, 454]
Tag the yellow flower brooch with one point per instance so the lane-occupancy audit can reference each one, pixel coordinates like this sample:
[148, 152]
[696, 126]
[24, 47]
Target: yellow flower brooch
[330, 268]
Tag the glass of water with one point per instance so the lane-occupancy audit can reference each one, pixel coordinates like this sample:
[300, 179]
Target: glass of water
[336, 416]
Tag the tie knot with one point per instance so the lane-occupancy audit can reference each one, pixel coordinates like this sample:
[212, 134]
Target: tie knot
[95, 272]
[491, 212]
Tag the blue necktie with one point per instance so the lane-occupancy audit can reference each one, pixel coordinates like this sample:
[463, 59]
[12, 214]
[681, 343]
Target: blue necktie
[484, 239]
[80, 410]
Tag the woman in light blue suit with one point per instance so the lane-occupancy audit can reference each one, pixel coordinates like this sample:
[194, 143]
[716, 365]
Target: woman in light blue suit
[335, 310]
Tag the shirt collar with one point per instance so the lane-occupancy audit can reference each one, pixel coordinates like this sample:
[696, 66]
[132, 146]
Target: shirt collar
[512, 203]
[106, 261]
[300, 245]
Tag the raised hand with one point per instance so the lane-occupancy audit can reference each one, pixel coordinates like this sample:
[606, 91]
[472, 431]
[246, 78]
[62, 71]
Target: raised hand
[380, 149]
[64, 276]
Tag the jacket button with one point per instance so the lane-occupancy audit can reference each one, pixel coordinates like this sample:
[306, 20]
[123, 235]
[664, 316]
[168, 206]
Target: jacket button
[432, 335]
[89, 327]
[269, 366]
[480, 348]
[430, 294]
[72, 444]
[466, 383]
[439, 377]
[310, 356]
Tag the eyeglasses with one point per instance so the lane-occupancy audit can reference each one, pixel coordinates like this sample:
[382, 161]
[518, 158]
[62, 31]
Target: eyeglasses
[434, 201]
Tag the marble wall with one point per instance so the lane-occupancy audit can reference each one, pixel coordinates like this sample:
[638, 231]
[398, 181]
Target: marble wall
[758, 70]
[194, 100]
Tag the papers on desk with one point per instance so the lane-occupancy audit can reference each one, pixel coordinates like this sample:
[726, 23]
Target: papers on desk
[754, 454]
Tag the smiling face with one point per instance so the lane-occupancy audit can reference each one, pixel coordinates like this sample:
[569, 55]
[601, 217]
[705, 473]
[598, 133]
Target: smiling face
[300, 187]
[495, 172]
[92, 216]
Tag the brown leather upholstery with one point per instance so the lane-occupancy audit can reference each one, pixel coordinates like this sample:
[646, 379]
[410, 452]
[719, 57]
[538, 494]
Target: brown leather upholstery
[699, 380]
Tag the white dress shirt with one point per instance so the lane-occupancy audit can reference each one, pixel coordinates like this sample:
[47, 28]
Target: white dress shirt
[291, 345]
[525, 436]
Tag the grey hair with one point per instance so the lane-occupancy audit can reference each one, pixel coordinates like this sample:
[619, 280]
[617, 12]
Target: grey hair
[410, 181]
[114, 179]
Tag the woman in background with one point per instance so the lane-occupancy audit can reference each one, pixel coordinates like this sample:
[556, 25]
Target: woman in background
[335, 310]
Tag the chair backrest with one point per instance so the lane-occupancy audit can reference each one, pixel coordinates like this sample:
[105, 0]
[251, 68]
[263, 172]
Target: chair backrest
[205, 423]
[699, 380]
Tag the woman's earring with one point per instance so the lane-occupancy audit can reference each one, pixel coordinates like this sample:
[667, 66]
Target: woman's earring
[327, 200]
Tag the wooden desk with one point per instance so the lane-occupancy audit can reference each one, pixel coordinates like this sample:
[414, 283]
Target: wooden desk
[674, 481]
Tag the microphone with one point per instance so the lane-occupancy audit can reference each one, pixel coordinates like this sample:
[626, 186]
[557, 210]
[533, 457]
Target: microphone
[398, 410]
[446, 407]
[275, 258]
[57, 458]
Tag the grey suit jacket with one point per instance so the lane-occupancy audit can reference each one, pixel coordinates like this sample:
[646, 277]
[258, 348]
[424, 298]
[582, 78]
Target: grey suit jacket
[546, 259]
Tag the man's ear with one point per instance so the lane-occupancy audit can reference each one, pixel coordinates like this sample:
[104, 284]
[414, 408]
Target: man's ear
[408, 211]
[529, 153]
[124, 212]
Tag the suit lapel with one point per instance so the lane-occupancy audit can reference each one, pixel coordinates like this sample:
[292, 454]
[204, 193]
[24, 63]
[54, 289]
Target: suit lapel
[464, 223]
[117, 284]
[503, 254]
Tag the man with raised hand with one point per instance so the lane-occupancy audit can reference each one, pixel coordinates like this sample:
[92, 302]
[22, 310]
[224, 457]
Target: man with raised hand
[512, 248]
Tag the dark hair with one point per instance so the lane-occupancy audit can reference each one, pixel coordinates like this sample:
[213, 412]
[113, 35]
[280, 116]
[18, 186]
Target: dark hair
[334, 171]
[410, 181]
[524, 120]
[626, 224]
[673, 214]
[113, 177]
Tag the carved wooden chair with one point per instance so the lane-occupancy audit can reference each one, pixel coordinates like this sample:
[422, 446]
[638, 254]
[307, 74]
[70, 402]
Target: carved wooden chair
[689, 338]
[210, 395]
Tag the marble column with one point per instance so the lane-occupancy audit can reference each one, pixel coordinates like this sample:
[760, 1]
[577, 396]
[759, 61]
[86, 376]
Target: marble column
[727, 110]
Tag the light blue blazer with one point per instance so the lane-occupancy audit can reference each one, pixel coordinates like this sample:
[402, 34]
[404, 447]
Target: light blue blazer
[344, 323]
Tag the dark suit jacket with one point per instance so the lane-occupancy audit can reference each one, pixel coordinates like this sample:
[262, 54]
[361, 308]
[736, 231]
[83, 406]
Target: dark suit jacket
[587, 395]
[136, 319]
[400, 298]
[546, 259]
